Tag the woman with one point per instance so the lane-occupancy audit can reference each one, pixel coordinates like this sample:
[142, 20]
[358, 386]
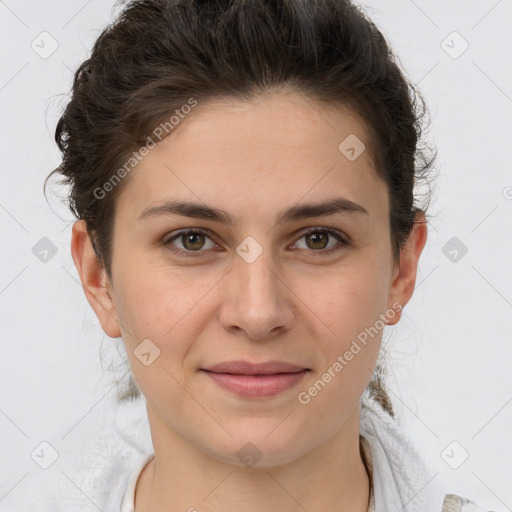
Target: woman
[243, 174]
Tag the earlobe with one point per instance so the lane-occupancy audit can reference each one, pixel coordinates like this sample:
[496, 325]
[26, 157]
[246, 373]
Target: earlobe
[405, 270]
[94, 279]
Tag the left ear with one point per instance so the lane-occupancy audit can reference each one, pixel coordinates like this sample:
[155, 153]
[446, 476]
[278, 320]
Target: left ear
[404, 271]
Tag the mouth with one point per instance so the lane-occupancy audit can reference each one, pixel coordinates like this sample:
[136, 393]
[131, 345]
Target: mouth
[256, 380]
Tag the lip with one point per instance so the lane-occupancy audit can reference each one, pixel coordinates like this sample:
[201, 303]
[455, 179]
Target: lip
[254, 380]
[248, 368]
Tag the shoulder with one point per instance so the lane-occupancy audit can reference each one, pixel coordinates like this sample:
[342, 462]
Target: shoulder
[456, 503]
[98, 476]
[396, 467]
[110, 459]
[84, 484]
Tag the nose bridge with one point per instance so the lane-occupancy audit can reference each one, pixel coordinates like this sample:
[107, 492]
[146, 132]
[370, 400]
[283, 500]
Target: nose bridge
[256, 303]
[256, 275]
[261, 277]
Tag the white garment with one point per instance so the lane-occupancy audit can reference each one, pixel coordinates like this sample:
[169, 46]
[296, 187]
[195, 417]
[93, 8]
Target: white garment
[401, 481]
[105, 477]
[128, 503]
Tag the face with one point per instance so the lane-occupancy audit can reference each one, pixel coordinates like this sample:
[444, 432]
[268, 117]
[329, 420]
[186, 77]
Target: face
[265, 280]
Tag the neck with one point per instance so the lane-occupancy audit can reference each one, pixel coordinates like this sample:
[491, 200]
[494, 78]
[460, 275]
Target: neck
[332, 477]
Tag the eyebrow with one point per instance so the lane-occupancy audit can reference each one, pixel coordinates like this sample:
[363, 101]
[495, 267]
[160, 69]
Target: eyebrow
[305, 211]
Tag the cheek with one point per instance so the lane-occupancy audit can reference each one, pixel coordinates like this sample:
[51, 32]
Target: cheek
[155, 302]
[168, 308]
[348, 299]
[154, 305]
[349, 304]
[350, 308]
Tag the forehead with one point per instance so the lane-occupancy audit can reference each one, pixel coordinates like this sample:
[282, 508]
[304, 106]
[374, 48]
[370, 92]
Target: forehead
[255, 155]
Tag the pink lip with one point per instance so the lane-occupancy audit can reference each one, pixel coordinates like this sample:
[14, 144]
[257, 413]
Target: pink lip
[256, 379]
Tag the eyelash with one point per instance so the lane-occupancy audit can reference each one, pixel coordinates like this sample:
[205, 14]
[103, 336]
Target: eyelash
[323, 252]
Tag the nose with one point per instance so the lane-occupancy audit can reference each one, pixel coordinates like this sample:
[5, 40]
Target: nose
[257, 300]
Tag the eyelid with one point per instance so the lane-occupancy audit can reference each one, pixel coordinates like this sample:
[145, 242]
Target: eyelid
[179, 232]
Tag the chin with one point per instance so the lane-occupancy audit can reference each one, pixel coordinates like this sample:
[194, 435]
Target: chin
[260, 445]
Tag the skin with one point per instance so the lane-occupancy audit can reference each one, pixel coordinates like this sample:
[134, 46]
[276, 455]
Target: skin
[252, 159]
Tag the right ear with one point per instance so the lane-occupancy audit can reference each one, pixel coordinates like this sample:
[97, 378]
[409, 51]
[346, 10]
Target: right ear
[95, 282]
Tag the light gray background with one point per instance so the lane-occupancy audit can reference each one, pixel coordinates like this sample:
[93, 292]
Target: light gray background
[449, 365]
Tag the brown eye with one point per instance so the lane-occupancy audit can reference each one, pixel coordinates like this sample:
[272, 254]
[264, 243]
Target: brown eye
[317, 240]
[191, 241]
[320, 240]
